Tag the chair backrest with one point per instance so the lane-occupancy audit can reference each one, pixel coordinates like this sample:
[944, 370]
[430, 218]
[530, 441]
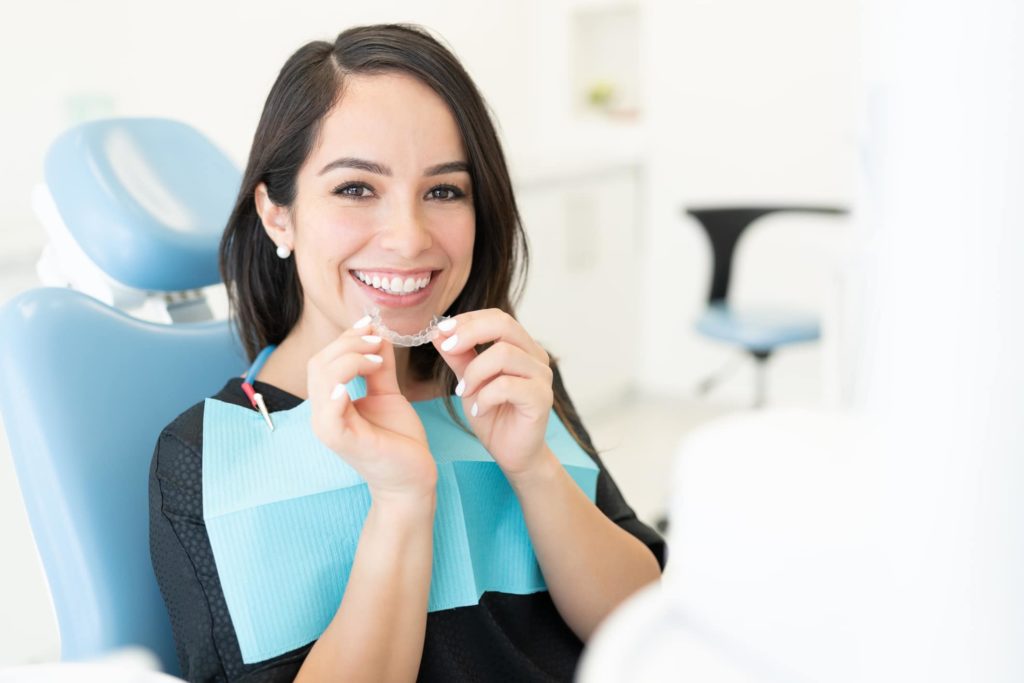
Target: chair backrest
[725, 225]
[85, 389]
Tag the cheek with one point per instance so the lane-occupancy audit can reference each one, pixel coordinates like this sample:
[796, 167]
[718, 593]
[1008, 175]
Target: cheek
[333, 238]
[454, 232]
[463, 239]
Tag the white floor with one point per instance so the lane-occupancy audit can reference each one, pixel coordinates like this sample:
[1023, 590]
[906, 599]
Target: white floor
[637, 441]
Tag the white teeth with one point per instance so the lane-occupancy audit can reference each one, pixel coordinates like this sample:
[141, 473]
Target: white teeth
[394, 285]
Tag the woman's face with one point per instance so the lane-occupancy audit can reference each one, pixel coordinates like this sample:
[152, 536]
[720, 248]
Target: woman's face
[385, 194]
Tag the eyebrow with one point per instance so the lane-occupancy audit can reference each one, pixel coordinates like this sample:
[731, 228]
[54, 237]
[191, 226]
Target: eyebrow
[381, 169]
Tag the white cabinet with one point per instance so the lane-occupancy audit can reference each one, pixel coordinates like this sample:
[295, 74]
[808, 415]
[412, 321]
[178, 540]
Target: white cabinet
[580, 297]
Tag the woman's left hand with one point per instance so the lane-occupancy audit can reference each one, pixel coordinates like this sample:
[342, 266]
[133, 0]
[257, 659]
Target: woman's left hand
[507, 394]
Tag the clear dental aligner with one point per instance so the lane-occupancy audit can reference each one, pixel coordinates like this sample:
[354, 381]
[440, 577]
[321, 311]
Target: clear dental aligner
[426, 335]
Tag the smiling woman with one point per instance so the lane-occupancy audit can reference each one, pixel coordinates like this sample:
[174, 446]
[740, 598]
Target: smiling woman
[396, 207]
[431, 513]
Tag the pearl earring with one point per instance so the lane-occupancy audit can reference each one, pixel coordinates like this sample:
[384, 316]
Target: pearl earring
[283, 252]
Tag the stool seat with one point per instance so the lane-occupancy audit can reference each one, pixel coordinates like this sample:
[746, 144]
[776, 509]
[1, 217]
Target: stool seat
[758, 330]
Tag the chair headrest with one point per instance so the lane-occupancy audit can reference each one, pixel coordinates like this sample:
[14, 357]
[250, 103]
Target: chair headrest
[147, 199]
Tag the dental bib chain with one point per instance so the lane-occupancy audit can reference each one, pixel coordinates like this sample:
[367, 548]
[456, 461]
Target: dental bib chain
[423, 337]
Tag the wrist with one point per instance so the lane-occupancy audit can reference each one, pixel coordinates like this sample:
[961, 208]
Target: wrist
[411, 503]
[544, 470]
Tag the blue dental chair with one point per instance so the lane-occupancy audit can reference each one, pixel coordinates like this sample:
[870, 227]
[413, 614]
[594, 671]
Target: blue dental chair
[135, 209]
[758, 332]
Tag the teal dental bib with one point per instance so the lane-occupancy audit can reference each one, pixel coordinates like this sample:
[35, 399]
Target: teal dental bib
[284, 513]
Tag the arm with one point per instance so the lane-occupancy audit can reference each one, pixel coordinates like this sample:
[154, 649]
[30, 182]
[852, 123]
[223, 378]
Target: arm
[377, 633]
[569, 532]
[511, 386]
[378, 630]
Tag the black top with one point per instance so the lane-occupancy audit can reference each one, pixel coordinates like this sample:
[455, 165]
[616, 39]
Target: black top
[504, 637]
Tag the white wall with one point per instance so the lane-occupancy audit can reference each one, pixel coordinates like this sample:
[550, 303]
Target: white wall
[941, 369]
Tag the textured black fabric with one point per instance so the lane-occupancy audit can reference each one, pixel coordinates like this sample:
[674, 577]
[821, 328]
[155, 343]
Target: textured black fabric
[503, 638]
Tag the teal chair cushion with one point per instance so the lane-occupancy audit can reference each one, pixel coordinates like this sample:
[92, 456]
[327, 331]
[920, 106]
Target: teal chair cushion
[758, 330]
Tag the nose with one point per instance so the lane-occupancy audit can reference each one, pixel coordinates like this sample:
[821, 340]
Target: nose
[406, 234]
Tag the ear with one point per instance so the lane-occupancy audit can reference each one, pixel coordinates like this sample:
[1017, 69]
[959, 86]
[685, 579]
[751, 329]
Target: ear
[276, 218]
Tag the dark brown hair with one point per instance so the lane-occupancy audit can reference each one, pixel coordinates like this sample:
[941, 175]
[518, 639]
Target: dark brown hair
[264, 291]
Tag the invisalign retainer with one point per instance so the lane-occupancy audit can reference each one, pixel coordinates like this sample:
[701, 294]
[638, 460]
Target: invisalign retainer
[426, 335]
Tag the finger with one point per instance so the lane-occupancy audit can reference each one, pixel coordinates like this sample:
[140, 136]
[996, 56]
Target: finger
[529, 396]
[384, 379]
[480, 327]
[502, 359]
[458, 362]
[348, 340]
[347, 343]
[341, 371]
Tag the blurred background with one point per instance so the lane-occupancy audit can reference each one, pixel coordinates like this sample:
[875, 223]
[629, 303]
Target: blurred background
[616, 117]
[641, 135]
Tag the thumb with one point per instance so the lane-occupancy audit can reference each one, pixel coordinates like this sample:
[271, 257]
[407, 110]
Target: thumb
[383, 380]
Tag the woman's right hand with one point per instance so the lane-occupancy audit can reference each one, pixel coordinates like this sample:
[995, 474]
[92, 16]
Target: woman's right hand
[379, 435]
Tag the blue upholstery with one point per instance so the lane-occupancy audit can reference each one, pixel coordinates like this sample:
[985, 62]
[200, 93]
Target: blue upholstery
[86, 388]
[86, 391]
[757, 330]
[146, 199]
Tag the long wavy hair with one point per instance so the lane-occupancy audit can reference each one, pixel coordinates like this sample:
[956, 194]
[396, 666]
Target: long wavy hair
[264, 291]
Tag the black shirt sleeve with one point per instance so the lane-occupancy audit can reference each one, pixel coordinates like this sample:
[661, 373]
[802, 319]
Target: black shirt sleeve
[608, 498]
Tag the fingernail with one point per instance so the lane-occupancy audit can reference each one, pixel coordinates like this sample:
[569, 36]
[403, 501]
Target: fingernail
[450, 343]
[461, 387]
[374, 357]
[446, 325]
[362, 322]
[473, 410]
[371, 338]
[338, 392]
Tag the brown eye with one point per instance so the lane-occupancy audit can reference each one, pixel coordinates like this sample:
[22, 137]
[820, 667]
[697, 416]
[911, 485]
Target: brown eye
[446, 193]
[354, 190]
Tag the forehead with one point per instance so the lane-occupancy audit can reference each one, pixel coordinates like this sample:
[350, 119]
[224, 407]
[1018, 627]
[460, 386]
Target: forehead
[390, 118]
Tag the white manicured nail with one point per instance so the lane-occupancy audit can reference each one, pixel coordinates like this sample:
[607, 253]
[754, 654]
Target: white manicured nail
[474, 409]
[338, 392]
[374, 357]
[461, 387]
[450, 343]
[362, 322]
[371, 338]
[446, 325]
